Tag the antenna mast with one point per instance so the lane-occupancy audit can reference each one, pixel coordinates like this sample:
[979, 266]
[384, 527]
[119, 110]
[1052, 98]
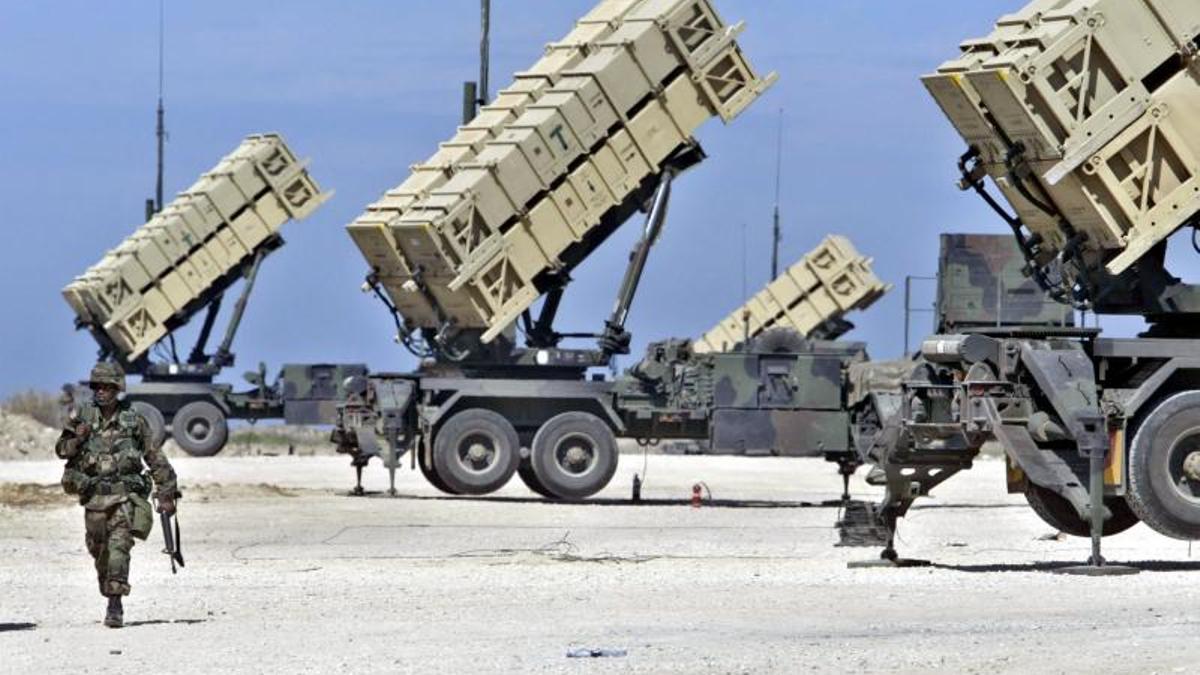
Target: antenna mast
[475, 94]
[485, 48]
[776, 232]
[155, 205]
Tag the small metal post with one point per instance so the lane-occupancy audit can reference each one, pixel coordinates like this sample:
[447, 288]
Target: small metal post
[1096, 565]
[907, 310]
[1097, 489]
[485, 42]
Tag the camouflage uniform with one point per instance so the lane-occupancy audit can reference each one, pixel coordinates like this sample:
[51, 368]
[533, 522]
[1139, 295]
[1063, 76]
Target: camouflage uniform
[104, 469]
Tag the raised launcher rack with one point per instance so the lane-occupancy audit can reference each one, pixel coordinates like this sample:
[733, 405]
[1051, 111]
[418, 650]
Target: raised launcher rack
[187, 255]
[533, 185]
[1086, 113]
[811, 297]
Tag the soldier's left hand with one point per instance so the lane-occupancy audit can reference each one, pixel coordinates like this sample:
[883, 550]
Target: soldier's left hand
[166, 506]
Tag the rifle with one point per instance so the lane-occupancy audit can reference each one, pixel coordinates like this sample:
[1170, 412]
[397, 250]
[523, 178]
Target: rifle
[173, 544]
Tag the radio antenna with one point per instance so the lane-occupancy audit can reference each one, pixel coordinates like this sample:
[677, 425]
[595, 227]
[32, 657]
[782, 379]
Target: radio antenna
[160, 131]
[776, 232]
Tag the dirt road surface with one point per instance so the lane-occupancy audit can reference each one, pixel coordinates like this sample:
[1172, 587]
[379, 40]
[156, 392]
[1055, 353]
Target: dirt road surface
[287, 574]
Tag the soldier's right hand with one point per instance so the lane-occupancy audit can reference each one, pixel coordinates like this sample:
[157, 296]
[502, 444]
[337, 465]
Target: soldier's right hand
[83, 430]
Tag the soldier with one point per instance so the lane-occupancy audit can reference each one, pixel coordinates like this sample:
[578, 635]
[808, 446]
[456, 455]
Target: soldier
[107, 444]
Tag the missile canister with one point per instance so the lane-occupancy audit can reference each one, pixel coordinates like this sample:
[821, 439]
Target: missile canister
[827, 283]
[1087, 115]
[159, 276]
[467, 250]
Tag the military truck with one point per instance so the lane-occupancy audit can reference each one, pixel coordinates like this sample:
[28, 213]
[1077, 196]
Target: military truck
[779, 390]
[182, 262]
[498, 218]
[1085, 116]
[789, 407]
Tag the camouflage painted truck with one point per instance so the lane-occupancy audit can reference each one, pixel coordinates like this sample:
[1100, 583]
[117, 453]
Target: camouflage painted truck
[1085, 116]
[496, 221]
[771, 374]
[182, 263]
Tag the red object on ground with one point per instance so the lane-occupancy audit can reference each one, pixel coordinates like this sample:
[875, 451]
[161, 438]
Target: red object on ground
[696, 496]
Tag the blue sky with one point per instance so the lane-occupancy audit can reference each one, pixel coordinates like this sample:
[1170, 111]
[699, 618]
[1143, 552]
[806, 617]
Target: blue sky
[367, 87]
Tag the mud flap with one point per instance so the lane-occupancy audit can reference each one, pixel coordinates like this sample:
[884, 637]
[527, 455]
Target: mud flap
[1041, 467]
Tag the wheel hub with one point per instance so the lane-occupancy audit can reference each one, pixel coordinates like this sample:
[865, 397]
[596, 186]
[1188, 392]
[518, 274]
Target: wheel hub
[576, 456]
[477, 453]
[1191, 466]
[199, 430]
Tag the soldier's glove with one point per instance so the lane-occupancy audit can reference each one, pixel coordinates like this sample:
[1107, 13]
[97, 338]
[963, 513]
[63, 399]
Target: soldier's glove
[166, 506]
[82, 431]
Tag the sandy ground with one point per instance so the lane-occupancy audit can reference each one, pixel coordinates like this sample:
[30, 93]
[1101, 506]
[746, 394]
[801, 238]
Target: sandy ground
[286, 574]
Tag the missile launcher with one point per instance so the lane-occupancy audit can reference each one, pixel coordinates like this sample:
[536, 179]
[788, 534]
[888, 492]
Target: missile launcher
[1087, 115]
[172, 266]
[830, 281]
[540, 178]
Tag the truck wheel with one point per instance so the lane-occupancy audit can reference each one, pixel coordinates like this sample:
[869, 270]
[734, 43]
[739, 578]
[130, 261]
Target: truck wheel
[574, 455]
[530, 479]
[431, 475]
[1058, 513]
[476, 452]
[1164, 468]
[199, 428]
[154, 418]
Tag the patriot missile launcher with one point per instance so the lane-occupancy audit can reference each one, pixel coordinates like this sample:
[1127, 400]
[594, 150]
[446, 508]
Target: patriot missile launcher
[497, 220]
[1085, 114]
[809, 298]
[503, 212]
[196, 247]
[181, 263]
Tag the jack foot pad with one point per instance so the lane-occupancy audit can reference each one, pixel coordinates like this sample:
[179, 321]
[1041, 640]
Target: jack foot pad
[893, 563]
[1097, 570]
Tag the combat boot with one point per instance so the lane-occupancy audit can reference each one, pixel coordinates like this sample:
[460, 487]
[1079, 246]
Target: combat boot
[115, 617]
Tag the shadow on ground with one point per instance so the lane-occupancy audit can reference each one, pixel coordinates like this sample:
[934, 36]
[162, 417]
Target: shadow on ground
[706, 502]
[163, 622]
[1052, 566]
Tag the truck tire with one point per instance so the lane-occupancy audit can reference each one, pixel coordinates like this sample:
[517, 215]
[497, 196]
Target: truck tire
[430, 475]
[574, 455]
[199, 428]
[530, 479]
[1164, 462]
[154, 418]
[1058, 513]
[476, 452]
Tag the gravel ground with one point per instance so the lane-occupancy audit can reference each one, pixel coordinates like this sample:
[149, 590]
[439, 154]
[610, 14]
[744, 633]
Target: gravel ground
[286, 574]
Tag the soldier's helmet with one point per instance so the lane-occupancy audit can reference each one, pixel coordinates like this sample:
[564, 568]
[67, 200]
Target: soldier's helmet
[108, 373]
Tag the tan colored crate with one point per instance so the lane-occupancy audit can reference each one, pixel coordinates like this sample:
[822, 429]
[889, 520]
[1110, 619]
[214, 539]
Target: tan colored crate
[510, 103]
[1117, 163]
[166, 266]
[176, 290]
[827, 283]
[491, 212]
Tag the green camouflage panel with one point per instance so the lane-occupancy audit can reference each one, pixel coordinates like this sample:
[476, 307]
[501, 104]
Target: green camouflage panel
[104, 469]
[762, 381]
[785, 403]
[311, 392]
[982, 283]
